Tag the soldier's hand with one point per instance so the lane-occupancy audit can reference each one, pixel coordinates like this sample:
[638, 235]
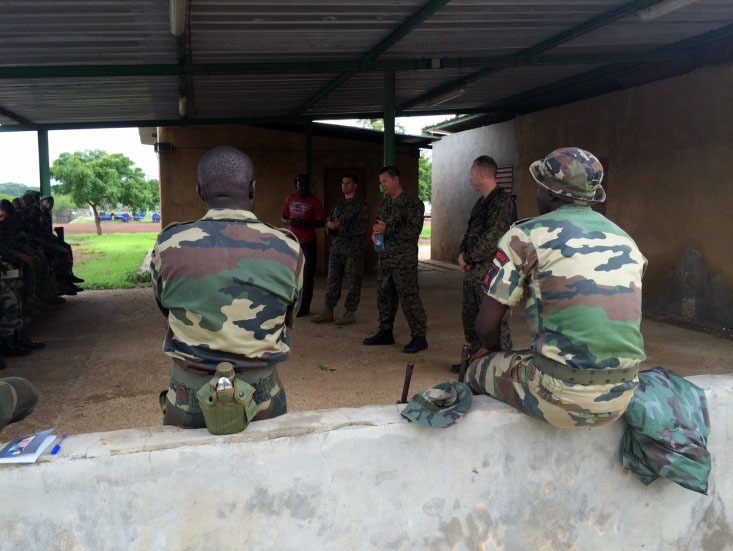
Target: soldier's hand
[379, 227]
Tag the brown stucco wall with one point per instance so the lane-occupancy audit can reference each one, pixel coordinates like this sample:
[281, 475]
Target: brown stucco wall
[667, 150]
[278, 156]
[667, 147]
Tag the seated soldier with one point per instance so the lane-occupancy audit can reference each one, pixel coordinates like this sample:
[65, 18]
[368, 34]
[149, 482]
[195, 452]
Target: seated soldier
[583, 274]
[229, 286]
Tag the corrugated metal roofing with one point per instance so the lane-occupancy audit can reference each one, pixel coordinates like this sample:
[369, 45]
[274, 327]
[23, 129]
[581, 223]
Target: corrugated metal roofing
[96, 63]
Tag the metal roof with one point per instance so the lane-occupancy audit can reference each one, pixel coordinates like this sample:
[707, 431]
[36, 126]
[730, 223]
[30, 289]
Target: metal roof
[87, 63]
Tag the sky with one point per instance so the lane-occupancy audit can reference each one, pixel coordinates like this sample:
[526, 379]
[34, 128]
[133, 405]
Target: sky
[19, 150]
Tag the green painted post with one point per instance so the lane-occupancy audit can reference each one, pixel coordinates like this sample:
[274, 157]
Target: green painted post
[43, 165]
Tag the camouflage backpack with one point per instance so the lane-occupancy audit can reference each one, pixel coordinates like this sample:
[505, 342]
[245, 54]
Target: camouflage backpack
[667, 433]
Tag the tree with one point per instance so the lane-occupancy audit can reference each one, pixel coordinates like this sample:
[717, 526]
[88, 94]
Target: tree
[425, 176]
[378, 124]
[98, 179]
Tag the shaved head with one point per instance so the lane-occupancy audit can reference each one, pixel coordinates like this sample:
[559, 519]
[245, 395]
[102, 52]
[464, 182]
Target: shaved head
[225, 173]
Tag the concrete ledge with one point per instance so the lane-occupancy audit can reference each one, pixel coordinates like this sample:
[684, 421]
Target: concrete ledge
[366, 479]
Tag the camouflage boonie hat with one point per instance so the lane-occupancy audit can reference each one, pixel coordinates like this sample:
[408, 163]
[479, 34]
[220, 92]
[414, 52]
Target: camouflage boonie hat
[46, 197]
[440, 406]
[572, 173]
[32, 193]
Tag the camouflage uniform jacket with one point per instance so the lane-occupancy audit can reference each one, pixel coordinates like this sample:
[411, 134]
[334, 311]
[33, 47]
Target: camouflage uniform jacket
[230, 285]
[404, 218]
[490, 218]
[584, 276]
[354, 217]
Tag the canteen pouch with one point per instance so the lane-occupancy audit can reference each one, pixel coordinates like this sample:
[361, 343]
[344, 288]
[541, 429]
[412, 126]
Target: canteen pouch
[228, 410]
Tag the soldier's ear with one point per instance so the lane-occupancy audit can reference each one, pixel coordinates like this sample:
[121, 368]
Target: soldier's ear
[200, 191]
[252, 192]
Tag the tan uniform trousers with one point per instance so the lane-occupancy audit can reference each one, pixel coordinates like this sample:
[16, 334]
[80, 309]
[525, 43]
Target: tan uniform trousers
[513, 378]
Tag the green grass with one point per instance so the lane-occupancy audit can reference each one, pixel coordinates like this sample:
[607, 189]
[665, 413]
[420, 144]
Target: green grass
[111, 261]
[425, 233]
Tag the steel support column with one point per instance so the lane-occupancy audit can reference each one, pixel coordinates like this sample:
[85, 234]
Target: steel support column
[43, 165]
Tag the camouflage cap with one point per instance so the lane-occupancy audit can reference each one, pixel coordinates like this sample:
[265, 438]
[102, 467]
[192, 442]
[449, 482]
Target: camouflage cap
[32, 193]
[440, 406]
[572, 173]
[46, 197]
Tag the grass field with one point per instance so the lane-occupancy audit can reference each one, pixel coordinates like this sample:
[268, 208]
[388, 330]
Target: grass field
[111, 261]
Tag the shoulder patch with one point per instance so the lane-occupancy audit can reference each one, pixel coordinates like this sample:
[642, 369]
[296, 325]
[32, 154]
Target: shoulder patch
[502, 257]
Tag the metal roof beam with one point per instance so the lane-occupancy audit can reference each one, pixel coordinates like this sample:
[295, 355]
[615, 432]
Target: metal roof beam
[672, 51]
[395, 36]
[172, 69]
[17, 118]
[565, 36]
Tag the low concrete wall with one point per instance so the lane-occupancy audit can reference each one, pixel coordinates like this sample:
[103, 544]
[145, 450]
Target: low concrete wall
[366, 479]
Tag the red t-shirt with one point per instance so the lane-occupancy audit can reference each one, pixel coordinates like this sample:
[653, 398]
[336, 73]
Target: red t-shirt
[307, 208]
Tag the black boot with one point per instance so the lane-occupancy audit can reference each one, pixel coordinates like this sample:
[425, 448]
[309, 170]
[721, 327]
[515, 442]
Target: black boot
[23, 340]
[9, 348]
[415, 345]
[382, 337]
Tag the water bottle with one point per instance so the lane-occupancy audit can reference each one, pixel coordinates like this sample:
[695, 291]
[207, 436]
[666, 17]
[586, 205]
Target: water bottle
[379, 245]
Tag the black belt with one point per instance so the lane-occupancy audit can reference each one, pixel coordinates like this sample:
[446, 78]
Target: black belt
[614, 375]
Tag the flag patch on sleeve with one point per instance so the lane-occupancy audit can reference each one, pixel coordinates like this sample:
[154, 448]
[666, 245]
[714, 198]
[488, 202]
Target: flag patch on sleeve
[501, 257]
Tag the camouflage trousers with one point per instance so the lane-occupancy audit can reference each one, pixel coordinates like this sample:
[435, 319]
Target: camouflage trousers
[18, 398]
[10, 306]
[398, 284]
[348, 264]
[513, 378]
[181, 409]
[473, 295]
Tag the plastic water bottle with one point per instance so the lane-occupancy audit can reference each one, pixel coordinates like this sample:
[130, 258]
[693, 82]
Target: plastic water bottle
[379, 245]
[379, 240]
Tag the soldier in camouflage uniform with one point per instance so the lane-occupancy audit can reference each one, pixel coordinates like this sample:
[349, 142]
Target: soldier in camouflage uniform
[583, 274]
[491, 217]
[400, 221]
[347, 226]
[229, 286]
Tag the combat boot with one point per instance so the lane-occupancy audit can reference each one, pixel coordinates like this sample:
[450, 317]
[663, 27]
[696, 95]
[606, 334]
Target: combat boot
[416, 345]
[8, 348]
[347, 319]
[21, 339]
[382, 337]
[324, 316]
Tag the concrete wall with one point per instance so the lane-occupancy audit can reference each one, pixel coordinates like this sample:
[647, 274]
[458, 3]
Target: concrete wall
[452, 194]
[666, 148]
[366, 479]
[278, 156]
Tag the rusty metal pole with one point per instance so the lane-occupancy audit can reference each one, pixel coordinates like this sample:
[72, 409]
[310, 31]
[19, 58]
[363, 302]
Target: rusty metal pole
[406, 386]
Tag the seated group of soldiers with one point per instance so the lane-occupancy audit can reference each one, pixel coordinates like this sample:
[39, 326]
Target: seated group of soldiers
[35, 269]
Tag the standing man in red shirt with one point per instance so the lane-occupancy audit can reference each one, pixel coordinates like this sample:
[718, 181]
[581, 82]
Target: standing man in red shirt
[303, 213]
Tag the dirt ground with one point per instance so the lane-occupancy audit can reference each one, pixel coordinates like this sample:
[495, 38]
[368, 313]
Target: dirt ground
[103, 366]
